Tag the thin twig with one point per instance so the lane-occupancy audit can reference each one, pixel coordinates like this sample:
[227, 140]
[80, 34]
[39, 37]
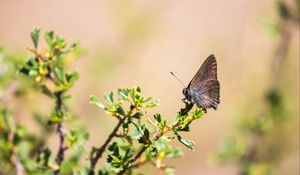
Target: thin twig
[18, 165]
[60, 130]
[100, 151]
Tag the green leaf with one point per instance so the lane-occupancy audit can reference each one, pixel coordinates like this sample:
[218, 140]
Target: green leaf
[46, 91]
[123, 93]
[198, 113]
[33, 73]
[138, 115]
[24, 71]
[77, 137]
[31, 63]
[169, 170]
[138, 89]
[175, 154]
[157, 117]
[109, 97]
[60, 42]
[54, 118]
[128, 154]
[72, 76]
[43, 157]
[185, 142]
[153, 103]
[103, 172]
[35, 36]
[74, 46]
[114, 149]
[269, 27]
[49, 36]
[59, 72]
[95, 101]
[184, 127]
[120, 110]
[176, 120]
[144, 139]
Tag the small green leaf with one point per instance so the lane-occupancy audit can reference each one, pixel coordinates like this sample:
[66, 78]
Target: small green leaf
[24, 71]
[138, 115]
[175, 154]
[123, 93]
[59, 72]
[72, 138]
[138, 89]
[114, 149]
[49, 36]
[31, 63]
[128, 154]
[153, 103]
[184, 127]
[144, 139]
[185, 142]
[46, 91]
[198, 113]
[103, 172]
[54, 118]
[109, 97]
[43, 157]
[35, 36]
[72, 76]
[169, 170]
[176, 120]
[269, 27]
[157, 117]
[33, 73]
[60, 42]
[120, 110]
[94, 100]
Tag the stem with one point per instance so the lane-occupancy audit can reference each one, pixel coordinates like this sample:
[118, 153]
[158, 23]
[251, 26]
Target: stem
[18, 165]
[100, 151]
[60, 130]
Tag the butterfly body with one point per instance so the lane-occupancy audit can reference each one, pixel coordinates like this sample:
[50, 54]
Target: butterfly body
[204, 88]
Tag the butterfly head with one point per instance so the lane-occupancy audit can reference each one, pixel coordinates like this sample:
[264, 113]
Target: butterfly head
[187, 94]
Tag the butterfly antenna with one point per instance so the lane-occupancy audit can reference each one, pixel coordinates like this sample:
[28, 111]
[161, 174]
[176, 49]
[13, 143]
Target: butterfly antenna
[177, 79]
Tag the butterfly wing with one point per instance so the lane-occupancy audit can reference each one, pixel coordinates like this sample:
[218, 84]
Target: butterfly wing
[206, 94]
[208, 70]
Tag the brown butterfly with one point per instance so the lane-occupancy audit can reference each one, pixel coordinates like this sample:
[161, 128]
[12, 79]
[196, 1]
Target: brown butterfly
[204, 89]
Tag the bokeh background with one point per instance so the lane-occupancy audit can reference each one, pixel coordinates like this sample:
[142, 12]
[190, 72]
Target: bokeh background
[138, 42]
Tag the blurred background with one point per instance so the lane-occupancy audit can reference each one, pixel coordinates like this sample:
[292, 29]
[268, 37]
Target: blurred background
[137, 42]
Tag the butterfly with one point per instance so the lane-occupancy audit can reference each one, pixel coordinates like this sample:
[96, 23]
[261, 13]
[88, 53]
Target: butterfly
[204, 88]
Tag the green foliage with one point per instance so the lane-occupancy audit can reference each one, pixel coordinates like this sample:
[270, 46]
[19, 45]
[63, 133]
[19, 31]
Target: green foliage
[142, 138]
[48, 71]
